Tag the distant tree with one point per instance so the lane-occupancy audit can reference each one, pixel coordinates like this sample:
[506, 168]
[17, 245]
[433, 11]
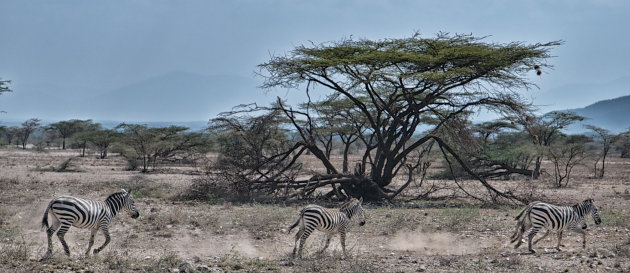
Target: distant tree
[605, 138]
[543, 130]
[82, 134]
[68, 128]
[101, 139]
[151, 144]
[11, 134]
[622, 144]
[565, 156]
[28, 127]
[3, 131]
[340, 118]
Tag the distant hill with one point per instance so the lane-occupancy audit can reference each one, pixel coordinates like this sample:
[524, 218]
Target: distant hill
[613, 115]
[573, 96]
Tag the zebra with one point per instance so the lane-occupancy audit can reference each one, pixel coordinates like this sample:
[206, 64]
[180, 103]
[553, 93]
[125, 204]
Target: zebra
[538, 215]
[331, 222]
[85, 214]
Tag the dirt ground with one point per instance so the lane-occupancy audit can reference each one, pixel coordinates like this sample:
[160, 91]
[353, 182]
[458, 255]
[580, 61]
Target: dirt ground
[183, 236]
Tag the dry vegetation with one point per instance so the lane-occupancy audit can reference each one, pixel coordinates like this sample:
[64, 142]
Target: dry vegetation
[184, 236]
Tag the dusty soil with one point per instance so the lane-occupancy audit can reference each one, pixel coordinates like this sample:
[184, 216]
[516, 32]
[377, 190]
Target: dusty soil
[184, 236]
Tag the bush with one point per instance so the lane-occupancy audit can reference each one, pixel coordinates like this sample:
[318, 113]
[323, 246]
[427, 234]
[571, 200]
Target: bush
[212, 188]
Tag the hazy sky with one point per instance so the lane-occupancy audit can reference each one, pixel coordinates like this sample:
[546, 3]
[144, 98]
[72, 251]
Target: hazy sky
[67, 47]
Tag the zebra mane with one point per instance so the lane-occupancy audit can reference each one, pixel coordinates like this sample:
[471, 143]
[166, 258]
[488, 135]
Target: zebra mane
[348, 203]
[115, 201]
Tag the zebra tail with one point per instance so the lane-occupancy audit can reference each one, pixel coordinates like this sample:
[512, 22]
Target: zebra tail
[518, 217]
[296, 222]
[520, 225]
[45, 218]
[526, 209]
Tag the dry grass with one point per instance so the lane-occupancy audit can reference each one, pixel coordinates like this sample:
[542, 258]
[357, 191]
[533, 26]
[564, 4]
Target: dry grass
[453, 236]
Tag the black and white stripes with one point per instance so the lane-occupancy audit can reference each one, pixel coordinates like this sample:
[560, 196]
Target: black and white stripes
[539, 215]
[332, 222]
[69, 211]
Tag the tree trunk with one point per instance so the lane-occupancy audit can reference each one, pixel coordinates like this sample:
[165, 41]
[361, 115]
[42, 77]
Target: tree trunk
[345, 157]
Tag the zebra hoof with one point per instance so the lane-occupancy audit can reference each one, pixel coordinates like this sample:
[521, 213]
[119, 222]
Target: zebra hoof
[47, 256]
[532, 251]
[95, 251]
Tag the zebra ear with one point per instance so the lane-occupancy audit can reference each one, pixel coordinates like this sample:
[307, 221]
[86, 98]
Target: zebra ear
[361, 199]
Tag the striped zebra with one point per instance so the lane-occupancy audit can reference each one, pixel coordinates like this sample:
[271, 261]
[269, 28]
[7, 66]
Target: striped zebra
[331, 222]
[69, 211]
[539, 215]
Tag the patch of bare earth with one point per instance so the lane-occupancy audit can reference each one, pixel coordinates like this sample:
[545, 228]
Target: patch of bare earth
[175, 236]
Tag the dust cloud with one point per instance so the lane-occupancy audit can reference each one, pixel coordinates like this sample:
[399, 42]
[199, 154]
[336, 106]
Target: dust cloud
[434, 243]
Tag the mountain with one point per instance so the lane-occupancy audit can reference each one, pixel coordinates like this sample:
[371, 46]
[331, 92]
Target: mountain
[612, 114]
[575, 95]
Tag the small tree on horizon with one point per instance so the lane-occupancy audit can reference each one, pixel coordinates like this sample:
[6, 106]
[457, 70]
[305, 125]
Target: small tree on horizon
[606, 139]
[66, 129]
[28, 127]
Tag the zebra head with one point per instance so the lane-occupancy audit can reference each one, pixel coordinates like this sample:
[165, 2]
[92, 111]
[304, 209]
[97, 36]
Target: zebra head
[129, 204]
[593, 210]
[353, 207]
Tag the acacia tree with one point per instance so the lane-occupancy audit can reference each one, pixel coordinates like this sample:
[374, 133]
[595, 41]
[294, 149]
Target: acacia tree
[101, 139]
[543, 131]
[565, 156]
[398, 85]
[83, 133]
[606, 139]
[28, 127]
[68, 128]
[151, 144]
[11, 134]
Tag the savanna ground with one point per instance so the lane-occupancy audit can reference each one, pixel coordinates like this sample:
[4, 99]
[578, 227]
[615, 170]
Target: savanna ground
[437, 235]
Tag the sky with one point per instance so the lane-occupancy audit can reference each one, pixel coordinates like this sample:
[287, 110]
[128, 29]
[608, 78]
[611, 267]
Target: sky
[52, 50]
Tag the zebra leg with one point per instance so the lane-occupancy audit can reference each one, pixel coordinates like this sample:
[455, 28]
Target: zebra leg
[305, 235]
[107, 239]
[328, 237]
[559, 240]
[543, 237]
[94, 231]
[49, 233]
[298, 235]
[531, 235]
[581, 231]
[342, 238]
[60, 234]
